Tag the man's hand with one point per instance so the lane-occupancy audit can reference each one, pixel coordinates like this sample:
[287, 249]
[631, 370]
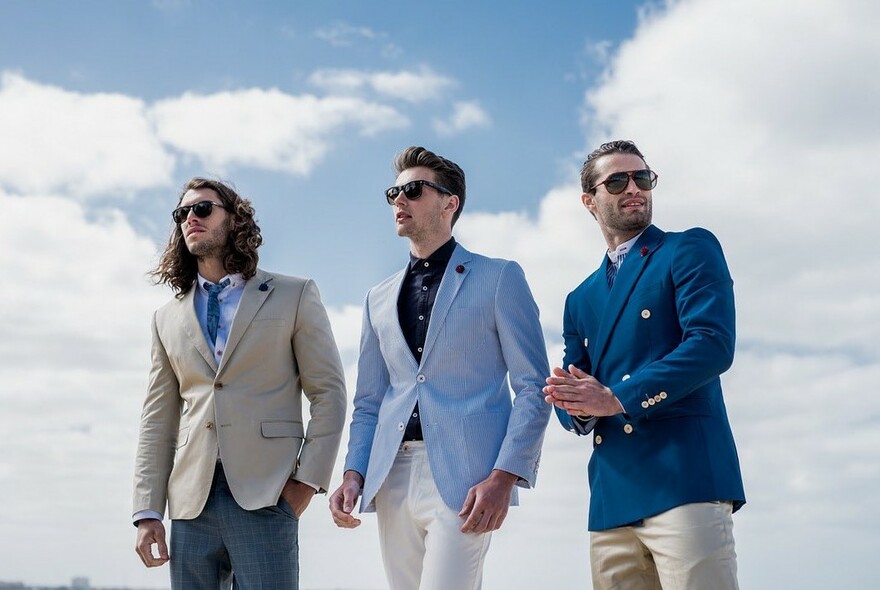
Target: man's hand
[580, 394]
[487, 502]
[344, 498]
[297, 495]
[151, 531]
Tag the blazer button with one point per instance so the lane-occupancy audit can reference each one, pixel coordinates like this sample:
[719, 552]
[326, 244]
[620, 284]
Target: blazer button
[400, 426]
[657, 398]
[218, 385]
[645, 405]
[628, 428]
[646, 313]
[651, 401]
[663, 395]
[625, 377]
[421, 379]
[598, 439]
[209, 425]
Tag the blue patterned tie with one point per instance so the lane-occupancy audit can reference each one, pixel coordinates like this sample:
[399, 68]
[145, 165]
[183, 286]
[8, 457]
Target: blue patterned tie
[611, 271]
[214, 307]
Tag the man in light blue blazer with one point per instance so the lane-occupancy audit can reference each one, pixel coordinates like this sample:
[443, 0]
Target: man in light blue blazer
[437, 446]
[647, 336]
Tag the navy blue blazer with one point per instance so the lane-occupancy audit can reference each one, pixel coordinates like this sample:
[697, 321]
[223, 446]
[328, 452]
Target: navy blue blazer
[660, 339]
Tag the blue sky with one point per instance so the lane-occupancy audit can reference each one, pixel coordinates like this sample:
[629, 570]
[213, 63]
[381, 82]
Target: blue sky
[759, 118]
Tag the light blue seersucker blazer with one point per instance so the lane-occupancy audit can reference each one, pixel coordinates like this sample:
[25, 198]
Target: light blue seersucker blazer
[484, 326]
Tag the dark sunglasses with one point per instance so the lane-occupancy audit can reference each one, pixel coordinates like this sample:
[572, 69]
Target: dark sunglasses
[412, 190]
[202, 209]
[617, 182]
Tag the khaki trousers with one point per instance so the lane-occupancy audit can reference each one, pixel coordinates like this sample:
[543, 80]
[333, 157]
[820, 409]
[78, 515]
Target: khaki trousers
[422, 546]
[689, 547]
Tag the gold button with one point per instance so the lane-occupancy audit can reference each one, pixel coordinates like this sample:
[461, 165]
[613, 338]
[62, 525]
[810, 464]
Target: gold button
[598, 439]
[646, 313]
[628, 428]
[663, 395]
[209, 425]
[645, 405]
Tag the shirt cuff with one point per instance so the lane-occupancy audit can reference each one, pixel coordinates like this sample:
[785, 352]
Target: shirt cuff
[144, 514]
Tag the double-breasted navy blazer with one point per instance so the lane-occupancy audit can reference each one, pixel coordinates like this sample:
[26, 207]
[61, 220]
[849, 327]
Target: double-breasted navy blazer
[659, 338]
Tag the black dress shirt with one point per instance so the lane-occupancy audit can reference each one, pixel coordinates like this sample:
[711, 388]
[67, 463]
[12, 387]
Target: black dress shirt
[414, 306]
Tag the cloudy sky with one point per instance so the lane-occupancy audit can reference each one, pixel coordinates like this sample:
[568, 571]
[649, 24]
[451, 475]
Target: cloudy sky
[760, 117]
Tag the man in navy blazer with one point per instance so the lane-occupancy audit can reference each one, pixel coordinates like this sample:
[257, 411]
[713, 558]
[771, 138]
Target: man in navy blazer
[437, 447]
[647, 336]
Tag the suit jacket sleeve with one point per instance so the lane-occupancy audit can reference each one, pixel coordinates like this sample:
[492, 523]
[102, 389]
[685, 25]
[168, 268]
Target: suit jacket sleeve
[160, 421]
[522, 345]
[323, 384]
[372, 383]
[705, 306]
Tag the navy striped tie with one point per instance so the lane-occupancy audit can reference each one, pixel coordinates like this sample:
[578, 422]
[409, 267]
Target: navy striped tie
[611, 270]
[214, 307]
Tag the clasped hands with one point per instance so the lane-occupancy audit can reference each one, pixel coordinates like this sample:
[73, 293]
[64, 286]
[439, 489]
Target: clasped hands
[580, 394]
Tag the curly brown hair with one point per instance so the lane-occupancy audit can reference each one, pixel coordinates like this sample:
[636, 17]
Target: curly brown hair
[178, 267]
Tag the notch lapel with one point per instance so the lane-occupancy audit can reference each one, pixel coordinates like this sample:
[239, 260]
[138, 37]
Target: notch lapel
[186, 317]
[251, 300]
[386, 304]
[449, 286]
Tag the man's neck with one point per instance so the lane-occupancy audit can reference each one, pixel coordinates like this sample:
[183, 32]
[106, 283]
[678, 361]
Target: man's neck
[424, 248]
[212, 269]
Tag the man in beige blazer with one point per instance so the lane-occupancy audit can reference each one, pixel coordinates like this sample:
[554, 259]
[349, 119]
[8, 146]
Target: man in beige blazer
[222, 439]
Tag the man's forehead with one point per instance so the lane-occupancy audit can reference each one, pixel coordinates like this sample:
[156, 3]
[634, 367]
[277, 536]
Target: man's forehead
[619, 162]
[194, 195]
[416, 173]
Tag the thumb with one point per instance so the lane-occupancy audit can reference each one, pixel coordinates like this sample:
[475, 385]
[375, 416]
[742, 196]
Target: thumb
[577, 372]
[468, 503]
[348, 503]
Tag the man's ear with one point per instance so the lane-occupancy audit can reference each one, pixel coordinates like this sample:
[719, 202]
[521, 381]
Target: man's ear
[452, 204]
[589, 202]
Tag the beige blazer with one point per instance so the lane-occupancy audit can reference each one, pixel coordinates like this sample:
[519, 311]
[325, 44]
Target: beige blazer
[249, 409]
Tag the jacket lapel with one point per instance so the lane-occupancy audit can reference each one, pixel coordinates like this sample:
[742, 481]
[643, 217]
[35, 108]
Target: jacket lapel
[251, 300]
[449, 286]
[387, 304]
[186, 317]
[624, 283]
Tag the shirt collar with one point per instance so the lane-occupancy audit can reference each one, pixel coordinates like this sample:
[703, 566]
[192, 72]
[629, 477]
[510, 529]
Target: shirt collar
[440, 256]
[622, 249]
[235, 281]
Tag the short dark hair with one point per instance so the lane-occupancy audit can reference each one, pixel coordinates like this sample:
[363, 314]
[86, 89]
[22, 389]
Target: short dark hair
[448, 174]
[618, 146]
[178, 268]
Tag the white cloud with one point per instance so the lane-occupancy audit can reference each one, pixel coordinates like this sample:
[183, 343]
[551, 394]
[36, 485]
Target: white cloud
[84, 144]
[410, 86]
[465, 115]
[266, 128]
[344, 34]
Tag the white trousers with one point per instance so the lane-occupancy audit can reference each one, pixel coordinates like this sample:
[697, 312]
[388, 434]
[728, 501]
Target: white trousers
[686, 548]
[422, 546]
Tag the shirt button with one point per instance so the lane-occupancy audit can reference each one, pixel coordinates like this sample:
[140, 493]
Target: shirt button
[419, 349]
[646, 313]
[424, 288]
[426, 263]
[219, 353]
[421, 379]
[628, 428]
[415, 414]
[421, 317]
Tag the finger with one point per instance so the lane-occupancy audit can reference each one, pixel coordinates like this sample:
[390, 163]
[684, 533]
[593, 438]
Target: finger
[349, 501]
[468, 505]
[559, 372]
[577, 372]
[163, 548]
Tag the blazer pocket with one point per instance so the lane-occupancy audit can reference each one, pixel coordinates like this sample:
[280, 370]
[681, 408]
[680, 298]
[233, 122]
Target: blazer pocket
[182, 437]
[281, 429]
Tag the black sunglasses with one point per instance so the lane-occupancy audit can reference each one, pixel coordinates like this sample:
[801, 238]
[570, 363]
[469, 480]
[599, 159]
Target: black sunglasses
[412, 190]
[617, 182]
[202, 209]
